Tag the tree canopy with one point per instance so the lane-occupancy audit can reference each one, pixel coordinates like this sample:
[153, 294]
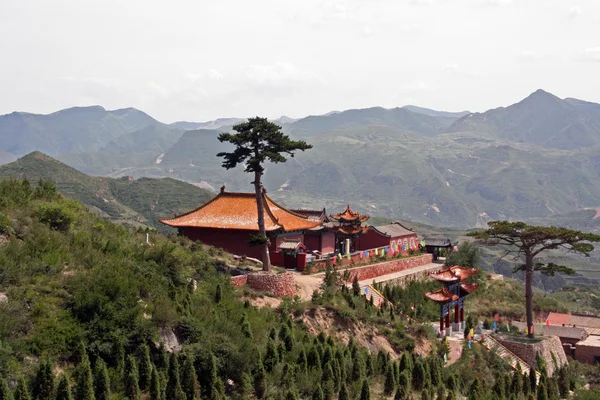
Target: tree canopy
[527, 242]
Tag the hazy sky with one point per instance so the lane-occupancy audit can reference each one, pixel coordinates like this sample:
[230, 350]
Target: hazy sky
[197, 60]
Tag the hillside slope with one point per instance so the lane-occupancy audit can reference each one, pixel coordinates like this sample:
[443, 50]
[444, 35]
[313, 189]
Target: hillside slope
[142, 201]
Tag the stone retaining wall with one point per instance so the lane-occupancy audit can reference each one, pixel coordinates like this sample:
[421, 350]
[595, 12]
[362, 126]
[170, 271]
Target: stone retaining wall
[548, 346]
[275, 284]
[389, 267]
[239, 281]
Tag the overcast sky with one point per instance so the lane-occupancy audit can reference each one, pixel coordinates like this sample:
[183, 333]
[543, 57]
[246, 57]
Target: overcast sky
[197, 60]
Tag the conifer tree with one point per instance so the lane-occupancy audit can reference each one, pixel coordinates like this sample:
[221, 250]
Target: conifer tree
[526, 386]
[358, 368]
[517, 382]
[313, 358]
[132, 388]
[365, 391]
[22, 391]
[390, 381]
[404, 386]
[246, 329]
[259, 380]
[101, 381]
[145, 372]
[63, 390]
[343, 394]
[498, 388]
[419, 375]
[318, 393]
[155, 385]
[5, 393]
[189, 381]
[247, 385]
[85, 381]
[552, 388]
[406, 363]
[256, 142]
[475, 390]
[207, 375]
[532, 380]
[563, 381]
[162, 358]
[440, 393]
[43, 383]
[291, 395]
[435, 370]
[451, 395]
[174, 390]
[452, 383]
[542, 394]
[355, 286]
[271, 357]
[302, 362]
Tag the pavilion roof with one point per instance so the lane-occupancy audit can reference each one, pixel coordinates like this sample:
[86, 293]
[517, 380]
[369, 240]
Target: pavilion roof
[441, 296]
[351, 230]
[235, 210]
[468, 288]
[454, 274]
[312, 215]
[349, 215]
[394, 230]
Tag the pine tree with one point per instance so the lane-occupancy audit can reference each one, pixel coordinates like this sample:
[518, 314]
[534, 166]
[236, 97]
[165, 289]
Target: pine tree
[119, 356]
[532, 380]
[318, 393]
[517, 382]
[22, 391]
[435, 370]
[155, 385]
[5, 393]
[365, 391]
[246, 328]
[271, 357]
[145, 373]
[63, 390]
[552, 388]
[101, 381]
[404, 385]
[475, 390]
[162, 358]
[174, 390]
[440, 393]
[563, 381]
[452, 382]
[132, 388]
[343, 394]
[189, 381]
[259, 380]
[498, 388]
[390, 381]
[419, 375]
[85, 381]
[406, 363]
[247, 385]
[208, 374]
[542, 394]
[292, 395]
[355, 286]
[43, 383]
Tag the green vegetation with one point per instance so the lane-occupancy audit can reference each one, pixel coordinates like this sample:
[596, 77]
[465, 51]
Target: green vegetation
[527, 242]
[140, 202]
[257, 142]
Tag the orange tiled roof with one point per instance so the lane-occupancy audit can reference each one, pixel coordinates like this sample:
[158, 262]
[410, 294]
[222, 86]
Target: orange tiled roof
[454, 273]
[233, 210]
[441, 296]
[469, 287]
[349, 215]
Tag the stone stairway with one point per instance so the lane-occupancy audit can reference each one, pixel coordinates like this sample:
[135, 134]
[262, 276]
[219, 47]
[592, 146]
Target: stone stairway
[378, 299]
[508, 356]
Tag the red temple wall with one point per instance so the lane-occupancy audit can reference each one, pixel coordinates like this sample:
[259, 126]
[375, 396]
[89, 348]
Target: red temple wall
[312, 242]
[370, 240]
[328, 243]
[231, 240]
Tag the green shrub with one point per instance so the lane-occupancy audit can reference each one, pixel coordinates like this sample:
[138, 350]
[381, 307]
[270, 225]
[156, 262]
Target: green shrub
[58, 216]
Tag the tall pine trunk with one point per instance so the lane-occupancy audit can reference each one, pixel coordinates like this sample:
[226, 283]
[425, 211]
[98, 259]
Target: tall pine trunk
[529, 293]
[261, 221]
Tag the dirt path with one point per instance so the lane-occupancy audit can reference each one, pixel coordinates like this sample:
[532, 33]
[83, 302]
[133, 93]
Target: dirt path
[307, 284]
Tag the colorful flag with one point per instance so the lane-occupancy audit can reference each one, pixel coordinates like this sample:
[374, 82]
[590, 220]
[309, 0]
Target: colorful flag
[471, 332]
[348, 256]
[547, 322]
[361, 254]
[469, 344]
[375, 251]
[497, 317]
[445, 358]
[494, 325]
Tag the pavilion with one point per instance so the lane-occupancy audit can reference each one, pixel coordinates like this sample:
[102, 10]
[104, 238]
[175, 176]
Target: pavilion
[453, 294]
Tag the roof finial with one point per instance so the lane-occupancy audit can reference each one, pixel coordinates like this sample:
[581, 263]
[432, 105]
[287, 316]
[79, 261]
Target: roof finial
[223, 188]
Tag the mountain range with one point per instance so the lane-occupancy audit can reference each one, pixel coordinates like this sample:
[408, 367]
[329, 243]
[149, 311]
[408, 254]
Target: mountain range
[534, 160]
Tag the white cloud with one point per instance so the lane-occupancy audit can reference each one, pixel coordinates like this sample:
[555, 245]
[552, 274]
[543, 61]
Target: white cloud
[591, 54]
[273, 74]
[214, 74]
[422, 2]
[496, 2]
[575, 12]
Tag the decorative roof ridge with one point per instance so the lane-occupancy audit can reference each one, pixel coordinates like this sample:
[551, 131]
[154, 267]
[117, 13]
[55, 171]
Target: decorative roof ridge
[284, 208]
[402, 225]
[380, 232]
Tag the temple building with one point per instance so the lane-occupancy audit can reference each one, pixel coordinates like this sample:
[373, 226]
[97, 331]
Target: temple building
[230, 218]
[453, 294]
[296, 236]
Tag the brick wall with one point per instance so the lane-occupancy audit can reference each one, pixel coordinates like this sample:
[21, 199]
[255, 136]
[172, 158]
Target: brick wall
[239, 281]
[276, 284]
[546, 347]
[389, 267]
[587, 354]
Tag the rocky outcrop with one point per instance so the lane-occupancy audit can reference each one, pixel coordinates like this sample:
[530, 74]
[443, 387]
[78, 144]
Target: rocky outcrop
[548, 347]
[275, 284]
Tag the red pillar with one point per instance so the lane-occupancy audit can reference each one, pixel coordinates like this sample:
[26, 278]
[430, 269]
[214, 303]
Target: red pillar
[442, 324]
[462, 313]
[456, 313]
[448, 319]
